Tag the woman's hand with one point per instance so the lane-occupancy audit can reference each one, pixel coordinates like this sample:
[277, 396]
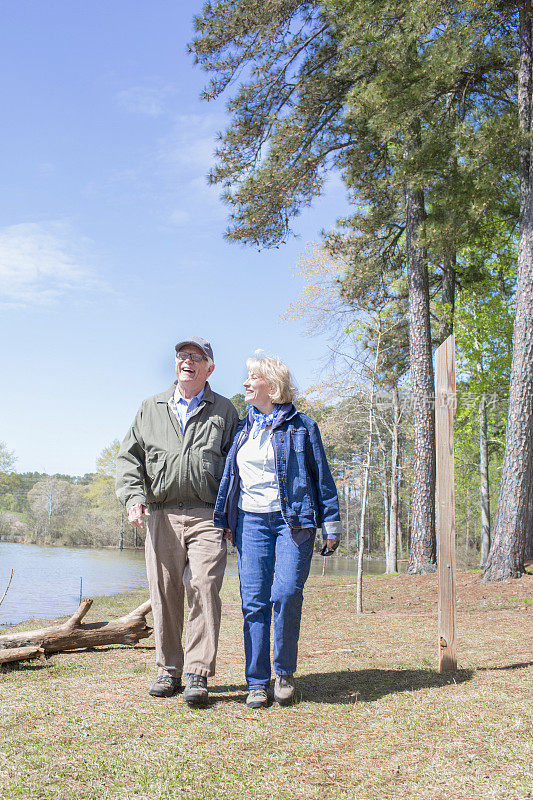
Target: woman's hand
[330, 546]
[227, 534]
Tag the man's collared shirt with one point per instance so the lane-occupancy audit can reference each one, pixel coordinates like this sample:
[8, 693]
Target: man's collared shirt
[183, 408]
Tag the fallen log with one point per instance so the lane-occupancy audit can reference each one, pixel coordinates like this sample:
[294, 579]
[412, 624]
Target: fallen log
[20, 654]
[72, 635]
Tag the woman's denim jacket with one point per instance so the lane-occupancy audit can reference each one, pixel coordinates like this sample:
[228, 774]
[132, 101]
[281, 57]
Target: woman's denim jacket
[307, 492]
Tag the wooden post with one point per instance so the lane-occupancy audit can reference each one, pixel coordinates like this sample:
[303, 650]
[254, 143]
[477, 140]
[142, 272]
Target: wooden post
[444, 414]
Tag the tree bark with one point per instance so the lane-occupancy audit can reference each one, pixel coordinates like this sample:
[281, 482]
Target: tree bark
[400, 506]
[386, 508]
[20, 654]
[507, 552]
[400, 539]
[361, 543]
[484, 483]
[72, 635]
[392, 552]
[422, 556]
[347, 491]
[385, 494]
[529, 531]
[467, 526]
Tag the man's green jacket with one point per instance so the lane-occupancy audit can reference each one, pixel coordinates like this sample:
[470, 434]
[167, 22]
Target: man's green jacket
[160, 466]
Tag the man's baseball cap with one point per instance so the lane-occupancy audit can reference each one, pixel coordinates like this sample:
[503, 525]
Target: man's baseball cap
[204, 345]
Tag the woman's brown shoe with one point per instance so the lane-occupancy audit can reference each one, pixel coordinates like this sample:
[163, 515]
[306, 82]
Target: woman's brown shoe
[284, 690]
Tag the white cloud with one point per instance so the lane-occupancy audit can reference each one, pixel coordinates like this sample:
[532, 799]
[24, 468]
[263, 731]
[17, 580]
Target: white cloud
[185, 157]
[46, 168]
[191, 144]
[41, 263]
[145, 99]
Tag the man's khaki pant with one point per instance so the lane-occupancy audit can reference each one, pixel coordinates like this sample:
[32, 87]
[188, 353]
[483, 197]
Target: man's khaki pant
[184, 550]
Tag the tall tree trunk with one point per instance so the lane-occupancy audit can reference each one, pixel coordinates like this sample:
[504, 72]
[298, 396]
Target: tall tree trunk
[400, 506]
[347, 490]
[385, 494]
[529, 531]
[361, 543]
[484, 483]
[447, 297]
[392, 552]
[467, 537]
[506, 556]
[422, 556]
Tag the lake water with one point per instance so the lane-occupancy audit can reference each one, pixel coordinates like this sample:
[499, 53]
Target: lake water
[46, 580]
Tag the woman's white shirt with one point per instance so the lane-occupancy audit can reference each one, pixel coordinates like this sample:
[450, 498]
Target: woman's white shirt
[257, 470]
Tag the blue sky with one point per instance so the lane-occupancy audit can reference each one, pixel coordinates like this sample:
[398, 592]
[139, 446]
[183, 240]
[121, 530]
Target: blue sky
[111, 241]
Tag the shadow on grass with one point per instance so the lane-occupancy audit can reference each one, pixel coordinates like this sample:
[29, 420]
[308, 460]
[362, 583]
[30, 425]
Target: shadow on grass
[107, 648]
[229, 693]
[35, 665]
[518, 665]
[369, 685]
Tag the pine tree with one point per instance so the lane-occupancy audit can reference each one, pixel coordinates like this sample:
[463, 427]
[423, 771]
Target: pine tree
[507, 553]
[404, 99]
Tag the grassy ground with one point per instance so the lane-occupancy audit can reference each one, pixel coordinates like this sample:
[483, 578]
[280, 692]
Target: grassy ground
[376, 721]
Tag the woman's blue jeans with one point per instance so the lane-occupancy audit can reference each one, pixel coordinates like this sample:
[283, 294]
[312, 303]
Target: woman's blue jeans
[272, 571]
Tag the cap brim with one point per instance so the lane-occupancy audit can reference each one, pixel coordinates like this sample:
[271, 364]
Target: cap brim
[195, 344]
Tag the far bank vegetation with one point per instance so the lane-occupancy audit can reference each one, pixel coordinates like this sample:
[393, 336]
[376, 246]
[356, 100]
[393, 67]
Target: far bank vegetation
[66, 510]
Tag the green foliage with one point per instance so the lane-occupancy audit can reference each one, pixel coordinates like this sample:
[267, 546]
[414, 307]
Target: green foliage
[484, 330]
[316, 409]
[340, 84]
[53, 511]
[7, 458]
[65, 509]
[287, 111]
[106, 463]
[111, 525]
[240, 405]
[14, 488]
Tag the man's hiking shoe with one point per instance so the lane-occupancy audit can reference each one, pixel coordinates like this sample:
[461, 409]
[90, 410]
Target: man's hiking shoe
[284, 690]
[195, 694]
[257, 698]
[165, 686]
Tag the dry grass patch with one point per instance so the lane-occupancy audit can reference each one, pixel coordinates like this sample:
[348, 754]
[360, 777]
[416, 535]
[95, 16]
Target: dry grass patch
[375, 720]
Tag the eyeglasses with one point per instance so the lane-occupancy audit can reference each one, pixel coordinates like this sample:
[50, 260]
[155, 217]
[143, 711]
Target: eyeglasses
[196, 357]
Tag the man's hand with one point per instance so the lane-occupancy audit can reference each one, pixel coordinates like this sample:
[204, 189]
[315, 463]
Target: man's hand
[227, 534]
[135, 514]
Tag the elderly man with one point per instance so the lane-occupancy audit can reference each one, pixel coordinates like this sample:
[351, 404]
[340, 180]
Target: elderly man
[168, 469]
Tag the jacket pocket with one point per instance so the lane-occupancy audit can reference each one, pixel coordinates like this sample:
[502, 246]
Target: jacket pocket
[156, 468]
[298, 440]
[213, 469]
[214, 436]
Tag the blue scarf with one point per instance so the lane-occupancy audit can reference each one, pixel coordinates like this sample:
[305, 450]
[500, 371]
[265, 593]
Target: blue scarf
[262, 420]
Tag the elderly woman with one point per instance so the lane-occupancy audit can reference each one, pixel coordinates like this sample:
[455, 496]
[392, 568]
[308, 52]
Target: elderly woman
[276, 490]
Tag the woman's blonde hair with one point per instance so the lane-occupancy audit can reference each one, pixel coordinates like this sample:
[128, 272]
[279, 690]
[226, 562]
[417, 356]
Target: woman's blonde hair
[273, 370]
